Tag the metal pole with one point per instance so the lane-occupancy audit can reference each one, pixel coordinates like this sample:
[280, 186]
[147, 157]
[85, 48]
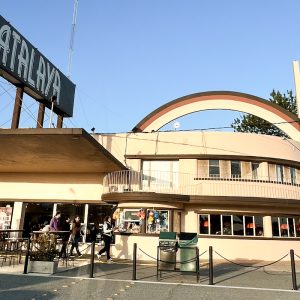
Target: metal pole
[92, 260]
[197, 264]
[211, 267]
[297, 84]
[294, 279]
[51, 114]
[27, 257]
[134, 262]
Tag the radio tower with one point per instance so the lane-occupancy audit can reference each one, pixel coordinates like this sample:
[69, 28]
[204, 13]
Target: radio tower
[72, 38]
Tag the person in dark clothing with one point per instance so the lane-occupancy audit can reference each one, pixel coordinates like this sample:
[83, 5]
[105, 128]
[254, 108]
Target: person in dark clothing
[107, 235]
[65, 226]
[55, 222]
[75, 236]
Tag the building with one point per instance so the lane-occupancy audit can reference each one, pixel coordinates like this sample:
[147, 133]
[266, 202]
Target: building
[239, 192]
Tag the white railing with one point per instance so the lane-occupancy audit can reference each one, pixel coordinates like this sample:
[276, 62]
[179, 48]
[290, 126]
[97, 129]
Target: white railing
[190, 184]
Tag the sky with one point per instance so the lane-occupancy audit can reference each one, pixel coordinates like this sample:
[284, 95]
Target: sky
[132, 56]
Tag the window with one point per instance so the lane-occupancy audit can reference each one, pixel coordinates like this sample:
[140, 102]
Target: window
[157, 221]
[160, 174]
[204, 224]
[238, 228]
[279, 173]
[284, 227]
[235, 169]
[226, 225]
[293, 175]
[254, 169]
[214, 168]
[231, 225]
[95, 219]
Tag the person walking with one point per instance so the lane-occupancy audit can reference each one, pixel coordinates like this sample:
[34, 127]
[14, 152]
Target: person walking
[55, 222]
[75, 236]
[65, 226]
[107, 236]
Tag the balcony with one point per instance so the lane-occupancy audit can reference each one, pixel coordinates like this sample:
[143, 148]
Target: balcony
[190, 184]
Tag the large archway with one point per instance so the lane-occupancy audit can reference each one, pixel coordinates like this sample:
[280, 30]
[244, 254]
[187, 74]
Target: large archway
[273, 113]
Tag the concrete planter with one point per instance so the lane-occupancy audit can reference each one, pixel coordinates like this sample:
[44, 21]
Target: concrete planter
[45, 267]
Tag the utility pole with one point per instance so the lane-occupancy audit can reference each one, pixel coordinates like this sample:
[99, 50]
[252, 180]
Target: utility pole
[297, 84]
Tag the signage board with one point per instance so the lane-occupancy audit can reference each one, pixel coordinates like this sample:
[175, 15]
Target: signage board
[22, 63]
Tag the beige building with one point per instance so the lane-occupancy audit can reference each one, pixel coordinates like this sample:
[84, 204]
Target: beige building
[239, 192]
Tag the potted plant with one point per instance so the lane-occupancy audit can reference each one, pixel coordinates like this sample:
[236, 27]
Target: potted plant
[43, 253]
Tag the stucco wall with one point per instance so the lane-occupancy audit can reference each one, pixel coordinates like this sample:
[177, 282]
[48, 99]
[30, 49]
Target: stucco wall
[51, 187]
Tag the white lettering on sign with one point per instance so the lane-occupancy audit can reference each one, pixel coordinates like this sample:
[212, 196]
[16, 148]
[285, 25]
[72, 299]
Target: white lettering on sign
[23, 60]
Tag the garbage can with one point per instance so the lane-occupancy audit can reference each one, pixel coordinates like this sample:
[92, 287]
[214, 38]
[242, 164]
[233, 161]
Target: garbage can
[167, 251]
[188, 251]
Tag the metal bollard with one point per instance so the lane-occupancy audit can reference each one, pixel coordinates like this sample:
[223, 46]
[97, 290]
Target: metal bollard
[27, 257]
[92, 260]
[211, 267]
[294, 279]
[197, 264]
[134, 262]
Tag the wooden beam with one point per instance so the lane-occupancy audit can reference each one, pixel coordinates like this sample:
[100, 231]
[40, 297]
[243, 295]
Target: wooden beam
[59, 121]
[41, 115]
[17, 108]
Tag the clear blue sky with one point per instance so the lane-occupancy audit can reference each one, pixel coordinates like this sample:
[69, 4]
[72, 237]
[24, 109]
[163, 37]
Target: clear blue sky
[132, 56]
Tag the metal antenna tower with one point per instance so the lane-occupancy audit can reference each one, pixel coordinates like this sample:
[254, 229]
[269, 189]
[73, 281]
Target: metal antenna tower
[72, 38]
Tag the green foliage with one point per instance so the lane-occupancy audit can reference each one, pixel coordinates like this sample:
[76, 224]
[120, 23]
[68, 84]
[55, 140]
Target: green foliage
[254, 124]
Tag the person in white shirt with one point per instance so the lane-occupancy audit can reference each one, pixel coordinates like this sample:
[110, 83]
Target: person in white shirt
[106, 235]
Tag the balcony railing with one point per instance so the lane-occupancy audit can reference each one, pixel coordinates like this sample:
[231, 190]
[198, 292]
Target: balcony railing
[190, 184]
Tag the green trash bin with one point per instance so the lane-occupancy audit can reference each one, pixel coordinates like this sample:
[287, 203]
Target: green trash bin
[188, 251]
[167, 251]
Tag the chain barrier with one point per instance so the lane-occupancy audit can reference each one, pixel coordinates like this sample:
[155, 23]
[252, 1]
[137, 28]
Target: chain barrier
[255, 267]
[82, 250]
[177, 262]
[297, 255]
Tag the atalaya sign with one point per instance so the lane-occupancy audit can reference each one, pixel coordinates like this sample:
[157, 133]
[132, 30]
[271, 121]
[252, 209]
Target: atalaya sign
[20, 62]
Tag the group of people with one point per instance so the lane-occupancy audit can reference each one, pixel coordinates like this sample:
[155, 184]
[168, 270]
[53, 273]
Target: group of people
[71, 233]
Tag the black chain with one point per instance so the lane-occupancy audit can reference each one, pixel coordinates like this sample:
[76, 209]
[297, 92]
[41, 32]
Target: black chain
[247, 266]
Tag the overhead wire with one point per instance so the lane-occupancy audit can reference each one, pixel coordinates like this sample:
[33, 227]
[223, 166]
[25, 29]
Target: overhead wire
[22, 106]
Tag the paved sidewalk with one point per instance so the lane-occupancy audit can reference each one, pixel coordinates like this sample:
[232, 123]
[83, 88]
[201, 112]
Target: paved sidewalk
[114, 281]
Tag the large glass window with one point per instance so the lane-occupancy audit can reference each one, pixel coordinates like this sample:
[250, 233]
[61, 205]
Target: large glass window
[160, 175]
[95, 219]
[235, 169]
[214, 168]
[72, 210]
[284, 227]
[37, 215]
[231, 225]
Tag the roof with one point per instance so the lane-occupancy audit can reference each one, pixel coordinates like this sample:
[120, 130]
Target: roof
[54, 150]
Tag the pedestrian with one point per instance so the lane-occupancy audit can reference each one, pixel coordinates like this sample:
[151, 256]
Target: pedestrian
[55, 222]
[75, 236]
[65, 226]
[107, 236]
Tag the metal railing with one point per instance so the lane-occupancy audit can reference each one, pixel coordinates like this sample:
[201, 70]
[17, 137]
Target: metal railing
[191, 184]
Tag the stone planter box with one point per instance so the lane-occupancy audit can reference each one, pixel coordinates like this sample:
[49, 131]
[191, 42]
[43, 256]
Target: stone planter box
[45, 267]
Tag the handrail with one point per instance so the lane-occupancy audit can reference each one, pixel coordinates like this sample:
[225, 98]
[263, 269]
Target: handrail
[191, 184]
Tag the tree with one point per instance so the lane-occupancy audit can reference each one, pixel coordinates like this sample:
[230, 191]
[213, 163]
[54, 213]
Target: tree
[254, 124]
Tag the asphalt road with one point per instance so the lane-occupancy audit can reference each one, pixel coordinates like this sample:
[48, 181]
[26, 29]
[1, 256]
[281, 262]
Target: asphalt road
[34, 287]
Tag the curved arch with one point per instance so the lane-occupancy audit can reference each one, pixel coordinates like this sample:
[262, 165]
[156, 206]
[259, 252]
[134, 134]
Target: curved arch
[273, 113]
